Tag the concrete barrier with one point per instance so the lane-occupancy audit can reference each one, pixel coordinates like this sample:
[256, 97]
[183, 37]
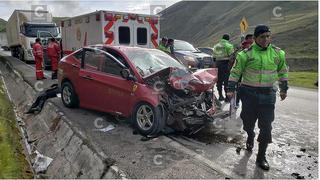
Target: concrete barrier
[52, 134]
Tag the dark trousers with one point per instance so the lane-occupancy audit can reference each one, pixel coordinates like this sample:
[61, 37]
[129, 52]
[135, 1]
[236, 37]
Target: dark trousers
[258, 104]
[223, 75]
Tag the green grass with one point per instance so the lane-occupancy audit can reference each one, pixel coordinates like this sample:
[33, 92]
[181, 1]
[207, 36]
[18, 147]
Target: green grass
[12, 161]
[303, 79]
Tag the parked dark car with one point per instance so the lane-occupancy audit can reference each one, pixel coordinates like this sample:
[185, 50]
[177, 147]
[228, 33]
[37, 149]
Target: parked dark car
[190, 56]
[207, 50]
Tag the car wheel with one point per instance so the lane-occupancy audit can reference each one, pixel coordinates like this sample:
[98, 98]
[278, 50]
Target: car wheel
[68, 95]
[148, 119]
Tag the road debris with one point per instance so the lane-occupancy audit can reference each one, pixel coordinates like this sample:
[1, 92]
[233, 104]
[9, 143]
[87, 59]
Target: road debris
[106, 129]
[41, 162]
[297, 176]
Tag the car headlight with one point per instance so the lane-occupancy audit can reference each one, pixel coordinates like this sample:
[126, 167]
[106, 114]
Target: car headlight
[189, 58]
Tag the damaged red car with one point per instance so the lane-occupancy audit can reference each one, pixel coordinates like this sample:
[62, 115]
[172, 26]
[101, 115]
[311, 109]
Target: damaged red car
[146, 85]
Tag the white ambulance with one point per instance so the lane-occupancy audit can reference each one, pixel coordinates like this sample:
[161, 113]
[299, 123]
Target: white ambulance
[108, 27]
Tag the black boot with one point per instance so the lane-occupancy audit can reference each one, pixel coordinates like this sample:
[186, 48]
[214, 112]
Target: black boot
[261, 157]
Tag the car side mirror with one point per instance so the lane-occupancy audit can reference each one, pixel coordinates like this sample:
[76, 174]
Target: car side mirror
[125, 73]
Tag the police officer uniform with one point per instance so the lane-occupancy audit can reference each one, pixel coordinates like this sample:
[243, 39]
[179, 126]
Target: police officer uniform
[222, 52]
[260, 69]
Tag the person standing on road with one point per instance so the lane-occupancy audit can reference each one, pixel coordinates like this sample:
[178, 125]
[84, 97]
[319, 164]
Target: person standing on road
[38, 57]
[222, 52]
[260, 66]
[248, 41]
[163, 45]
[53, 54]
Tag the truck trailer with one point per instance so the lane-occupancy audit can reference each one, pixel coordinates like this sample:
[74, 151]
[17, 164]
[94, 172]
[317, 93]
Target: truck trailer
[23, 27]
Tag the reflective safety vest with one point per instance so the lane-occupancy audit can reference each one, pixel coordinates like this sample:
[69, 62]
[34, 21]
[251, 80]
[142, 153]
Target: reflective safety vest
[163, 48]
[37, 50]
[222, 50]
[260, 67]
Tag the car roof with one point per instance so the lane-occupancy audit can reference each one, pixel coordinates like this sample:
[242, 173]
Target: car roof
[121, 47]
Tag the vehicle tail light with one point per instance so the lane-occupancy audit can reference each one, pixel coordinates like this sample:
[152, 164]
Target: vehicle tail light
[108, 16]
[147, 19]
[98, 17]
[118, 16]
[125, 17]
[139, 19]
[133, 16]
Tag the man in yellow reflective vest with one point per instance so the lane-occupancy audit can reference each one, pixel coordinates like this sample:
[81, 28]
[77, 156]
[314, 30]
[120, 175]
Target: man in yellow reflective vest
[163, 45]
[261, 66]
[222, 52]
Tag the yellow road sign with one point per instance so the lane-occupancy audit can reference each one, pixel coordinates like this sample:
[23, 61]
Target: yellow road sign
[244, 25]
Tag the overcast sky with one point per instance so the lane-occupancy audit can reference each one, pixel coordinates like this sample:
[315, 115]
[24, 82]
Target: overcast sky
[74, 8]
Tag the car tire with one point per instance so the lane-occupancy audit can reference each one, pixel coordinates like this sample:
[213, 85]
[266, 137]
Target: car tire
[148, 120]
[68, 95]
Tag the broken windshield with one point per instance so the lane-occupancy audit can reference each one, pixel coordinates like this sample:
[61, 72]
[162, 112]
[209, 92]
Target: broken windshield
[31, 30]
[148, 61]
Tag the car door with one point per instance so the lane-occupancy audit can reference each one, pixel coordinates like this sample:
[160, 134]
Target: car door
[104, 88]
[87, 85]
[71, 68]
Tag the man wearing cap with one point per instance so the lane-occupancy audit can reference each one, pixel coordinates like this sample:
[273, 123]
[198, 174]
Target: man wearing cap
[163, 45]
[222, 52]
[261, 66]
[248, 40]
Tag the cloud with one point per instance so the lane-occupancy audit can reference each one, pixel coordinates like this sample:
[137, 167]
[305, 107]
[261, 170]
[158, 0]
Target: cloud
[75, 8]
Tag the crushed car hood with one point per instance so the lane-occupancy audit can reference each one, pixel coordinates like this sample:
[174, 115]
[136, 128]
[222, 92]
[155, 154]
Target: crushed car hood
[182, 79]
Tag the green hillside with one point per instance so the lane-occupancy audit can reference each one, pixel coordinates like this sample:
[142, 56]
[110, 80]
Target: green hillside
[294, 24]
[3, 25]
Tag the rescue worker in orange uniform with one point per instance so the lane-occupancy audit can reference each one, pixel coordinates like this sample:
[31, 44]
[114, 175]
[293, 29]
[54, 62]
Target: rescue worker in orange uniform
[38, 57]
[53, 54]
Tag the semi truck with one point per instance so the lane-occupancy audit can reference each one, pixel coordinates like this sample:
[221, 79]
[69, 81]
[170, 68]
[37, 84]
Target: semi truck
[24, 26]
[110, 27]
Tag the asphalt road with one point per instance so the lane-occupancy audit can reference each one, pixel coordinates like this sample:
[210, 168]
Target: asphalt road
[293, 153]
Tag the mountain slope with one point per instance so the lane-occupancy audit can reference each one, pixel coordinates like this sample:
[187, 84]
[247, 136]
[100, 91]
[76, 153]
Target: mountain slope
[3, 25]
[294, 24]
